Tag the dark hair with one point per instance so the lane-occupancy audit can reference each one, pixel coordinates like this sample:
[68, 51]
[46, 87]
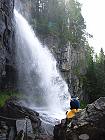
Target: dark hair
[74, 104]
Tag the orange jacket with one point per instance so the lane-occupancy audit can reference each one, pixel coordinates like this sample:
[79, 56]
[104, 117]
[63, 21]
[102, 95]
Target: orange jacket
[71, 113]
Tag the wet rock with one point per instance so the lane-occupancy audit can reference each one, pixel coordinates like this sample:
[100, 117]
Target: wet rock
[3, 136]
[24, 127]
[23, 124]
[3, 130]
[11, 133]
[84, 137]
[15, 116]
[15, 109]
[90, 124]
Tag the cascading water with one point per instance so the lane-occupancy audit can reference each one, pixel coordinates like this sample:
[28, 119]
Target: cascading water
[39, 78]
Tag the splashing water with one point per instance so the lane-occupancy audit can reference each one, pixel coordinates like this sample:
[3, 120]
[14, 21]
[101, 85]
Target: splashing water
[39, 78]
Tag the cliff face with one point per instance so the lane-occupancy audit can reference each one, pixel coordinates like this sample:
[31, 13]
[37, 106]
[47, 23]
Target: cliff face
[7, 70]
[71, 62]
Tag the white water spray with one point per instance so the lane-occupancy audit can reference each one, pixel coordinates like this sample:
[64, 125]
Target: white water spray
[38, 75]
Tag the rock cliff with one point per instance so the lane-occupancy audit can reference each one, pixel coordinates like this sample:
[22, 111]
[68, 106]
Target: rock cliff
[7, 68]
[71, 62]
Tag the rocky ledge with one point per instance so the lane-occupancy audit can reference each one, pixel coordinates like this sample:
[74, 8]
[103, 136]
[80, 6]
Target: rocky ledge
[90, 124]
[20, 123]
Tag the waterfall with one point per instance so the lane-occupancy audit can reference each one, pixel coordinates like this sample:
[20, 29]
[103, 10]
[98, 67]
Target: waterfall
[39, 78]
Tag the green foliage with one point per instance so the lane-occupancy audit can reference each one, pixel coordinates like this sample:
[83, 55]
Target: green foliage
[60, 19]
[42, 26]
[94, 84]
[76, 22]
[83, 104]
[5, 95]
[3, 98]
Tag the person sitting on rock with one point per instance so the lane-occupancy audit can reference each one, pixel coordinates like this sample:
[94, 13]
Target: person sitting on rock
[61, 128]
[74, 108]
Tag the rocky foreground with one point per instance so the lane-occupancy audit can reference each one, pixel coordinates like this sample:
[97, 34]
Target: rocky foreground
[90, 124]
[20, 123]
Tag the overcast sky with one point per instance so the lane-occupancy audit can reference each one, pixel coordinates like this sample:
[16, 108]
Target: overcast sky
[93, 12]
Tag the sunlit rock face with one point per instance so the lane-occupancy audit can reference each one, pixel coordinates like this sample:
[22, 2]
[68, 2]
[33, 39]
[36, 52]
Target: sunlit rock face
[7, 71]
[89, 124]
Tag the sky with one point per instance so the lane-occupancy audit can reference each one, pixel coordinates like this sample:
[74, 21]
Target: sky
[93, 12]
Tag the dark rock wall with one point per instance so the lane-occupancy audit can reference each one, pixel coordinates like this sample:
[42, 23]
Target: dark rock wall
[7, 68]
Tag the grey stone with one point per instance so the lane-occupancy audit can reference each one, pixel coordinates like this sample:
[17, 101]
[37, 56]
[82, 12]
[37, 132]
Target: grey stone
[84, 137]
[2, 26]
[3, 136]
[5, 127]
[11, 133]
[25, 125]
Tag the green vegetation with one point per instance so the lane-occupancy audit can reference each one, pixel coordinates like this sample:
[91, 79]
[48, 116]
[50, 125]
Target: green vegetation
[82, 104]
[59, 19]
[94, 83]
[5, 95]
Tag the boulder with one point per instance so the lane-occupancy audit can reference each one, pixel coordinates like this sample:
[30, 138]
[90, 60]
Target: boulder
[14, 109]
[21, 122]
[90, 124]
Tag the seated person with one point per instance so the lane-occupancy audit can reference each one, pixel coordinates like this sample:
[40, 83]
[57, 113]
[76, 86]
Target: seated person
[74, 108]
